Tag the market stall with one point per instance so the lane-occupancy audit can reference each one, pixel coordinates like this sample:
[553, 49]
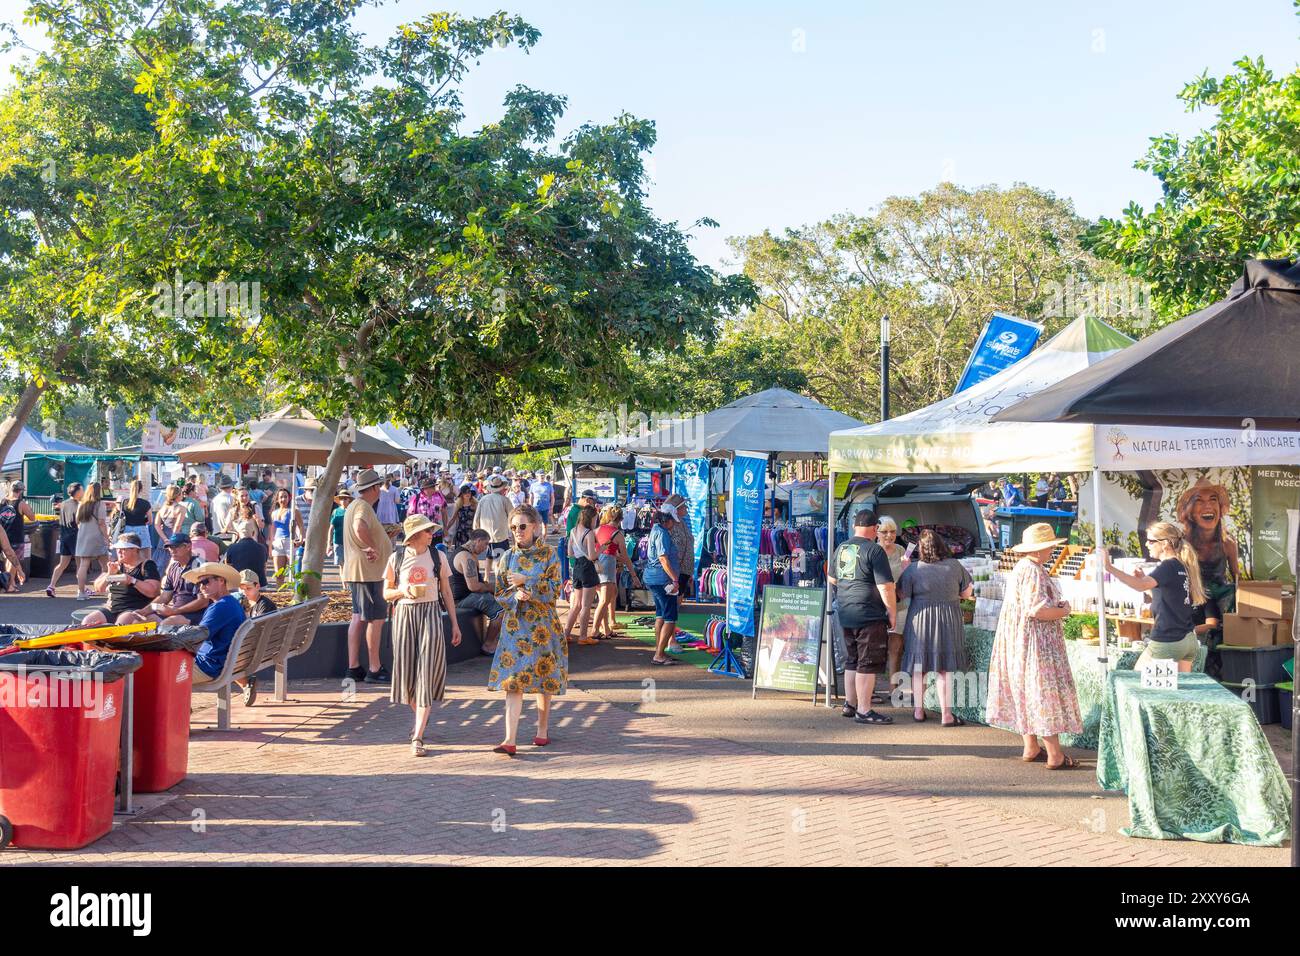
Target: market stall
[725, 466]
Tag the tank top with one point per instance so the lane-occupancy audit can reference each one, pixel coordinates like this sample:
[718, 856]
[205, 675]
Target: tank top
[11, 519]
[578, 542]
[282, 523]
[605, 539]
[459, 586]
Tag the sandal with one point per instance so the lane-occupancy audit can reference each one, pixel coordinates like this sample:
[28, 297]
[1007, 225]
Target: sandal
[663, 663]
[588, 641]
[922, 719]
[1069, 763]
[507, 749]
[417, 747]
[956, 722]
[1041, 755]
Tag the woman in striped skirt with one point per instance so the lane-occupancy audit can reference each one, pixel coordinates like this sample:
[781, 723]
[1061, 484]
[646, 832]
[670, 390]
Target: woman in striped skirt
[415, 576]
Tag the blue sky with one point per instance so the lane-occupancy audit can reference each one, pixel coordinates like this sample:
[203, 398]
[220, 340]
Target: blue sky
[778, 114]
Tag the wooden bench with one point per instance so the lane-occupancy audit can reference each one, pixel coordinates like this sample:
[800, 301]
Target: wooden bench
[261, 642]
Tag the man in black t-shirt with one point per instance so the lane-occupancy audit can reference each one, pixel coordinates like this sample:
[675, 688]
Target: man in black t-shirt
[867, 610]
[248, 554]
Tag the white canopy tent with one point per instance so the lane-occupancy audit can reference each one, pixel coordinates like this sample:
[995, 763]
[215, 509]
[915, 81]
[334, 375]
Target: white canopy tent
[29, 439]
[956, 436]
[418, 449]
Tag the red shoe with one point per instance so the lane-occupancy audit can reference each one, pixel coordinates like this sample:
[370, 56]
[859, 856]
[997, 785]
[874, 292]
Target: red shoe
[507, 749]
[541, 741]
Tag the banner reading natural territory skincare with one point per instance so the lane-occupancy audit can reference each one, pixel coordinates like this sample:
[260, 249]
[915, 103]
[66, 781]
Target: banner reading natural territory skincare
[748, 486]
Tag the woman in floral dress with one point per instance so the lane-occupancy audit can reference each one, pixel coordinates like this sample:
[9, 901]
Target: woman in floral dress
[532, 656]
[1031, 689]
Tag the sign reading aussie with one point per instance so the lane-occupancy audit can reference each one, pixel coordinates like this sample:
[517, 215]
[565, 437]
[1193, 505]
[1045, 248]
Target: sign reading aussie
[748, 486]
[1004, 342]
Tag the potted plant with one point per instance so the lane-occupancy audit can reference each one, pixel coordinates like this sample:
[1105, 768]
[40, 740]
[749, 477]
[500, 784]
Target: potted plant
[968, 612]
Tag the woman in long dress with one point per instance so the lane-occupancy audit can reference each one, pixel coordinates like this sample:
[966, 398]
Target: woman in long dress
[532, 656]
[935, 639]
[1031, 688]
[419, 655]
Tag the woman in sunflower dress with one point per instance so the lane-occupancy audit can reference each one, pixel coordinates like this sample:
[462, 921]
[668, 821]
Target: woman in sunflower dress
[532, 656]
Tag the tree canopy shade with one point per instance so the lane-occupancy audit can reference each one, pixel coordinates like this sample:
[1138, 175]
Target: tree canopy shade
[408, 269]
[1230, 193]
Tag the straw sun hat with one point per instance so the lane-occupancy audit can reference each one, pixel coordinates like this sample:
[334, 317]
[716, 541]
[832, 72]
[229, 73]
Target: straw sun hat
[1037, 537]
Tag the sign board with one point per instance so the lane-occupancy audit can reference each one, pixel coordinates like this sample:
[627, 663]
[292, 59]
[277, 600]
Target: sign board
[1160, 675]
[1004, 342]
[748, 493]
[1274, 522]
[602, 488]
[842, 485]
[159, 439]
[808, 501]
[596, 451]
[789, 639]
[691, 481]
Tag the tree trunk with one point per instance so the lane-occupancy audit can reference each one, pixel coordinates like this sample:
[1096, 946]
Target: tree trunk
[322, 506]
[13, 423]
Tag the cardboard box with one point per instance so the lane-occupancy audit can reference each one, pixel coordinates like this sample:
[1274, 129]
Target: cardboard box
[1248, 631]
[1264, 599]
[1282, 631]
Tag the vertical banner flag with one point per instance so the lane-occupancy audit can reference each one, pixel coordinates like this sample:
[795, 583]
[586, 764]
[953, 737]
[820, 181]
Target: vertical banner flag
[1004, 342]
[691, 481]
[748, 488]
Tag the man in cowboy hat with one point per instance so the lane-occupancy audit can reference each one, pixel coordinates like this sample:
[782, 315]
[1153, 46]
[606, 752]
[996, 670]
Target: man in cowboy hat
[493, 515]
[215, 582]
[129, 582]
[366, 549]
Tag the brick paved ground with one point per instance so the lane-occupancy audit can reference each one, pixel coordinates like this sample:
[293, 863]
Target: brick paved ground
[326, 780]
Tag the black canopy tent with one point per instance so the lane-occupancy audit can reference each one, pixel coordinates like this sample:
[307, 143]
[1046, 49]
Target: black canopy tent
[1230, 365]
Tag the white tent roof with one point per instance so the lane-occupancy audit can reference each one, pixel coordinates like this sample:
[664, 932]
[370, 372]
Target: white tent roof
[29, 439]
[402, 438]
[955, 436]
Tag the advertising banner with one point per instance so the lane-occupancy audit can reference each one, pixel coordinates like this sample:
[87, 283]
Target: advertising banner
[691, 481]
[159, 439]
[1274, 504]
[748, 487]
[1004, 342]
[789, 640]
[602, 488]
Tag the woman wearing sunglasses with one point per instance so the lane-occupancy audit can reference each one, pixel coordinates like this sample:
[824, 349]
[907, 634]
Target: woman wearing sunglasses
[1177, 587]
[532, 655]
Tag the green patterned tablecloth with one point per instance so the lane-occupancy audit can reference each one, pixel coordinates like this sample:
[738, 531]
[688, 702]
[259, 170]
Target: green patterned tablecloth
[1194, 761]
[970, 690]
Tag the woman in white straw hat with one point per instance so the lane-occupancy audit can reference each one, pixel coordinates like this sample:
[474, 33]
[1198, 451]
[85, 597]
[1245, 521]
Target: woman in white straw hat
[1031, 689]
[413, 579]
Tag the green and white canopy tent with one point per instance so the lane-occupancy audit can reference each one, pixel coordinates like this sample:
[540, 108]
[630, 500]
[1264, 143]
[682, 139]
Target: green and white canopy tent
[956, 436]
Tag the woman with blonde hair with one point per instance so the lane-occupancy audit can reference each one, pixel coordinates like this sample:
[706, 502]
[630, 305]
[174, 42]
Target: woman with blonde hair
[135, 514]
[611, 554]
[92, 535]
[532, 656]
[1031, 688]
[168, 520]
[1178, 590]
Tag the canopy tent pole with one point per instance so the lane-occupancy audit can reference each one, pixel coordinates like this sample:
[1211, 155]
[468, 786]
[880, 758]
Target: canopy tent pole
[1101, 568]
[827, 636]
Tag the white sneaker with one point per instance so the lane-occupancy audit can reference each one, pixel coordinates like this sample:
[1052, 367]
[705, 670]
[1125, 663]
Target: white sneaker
[84, 595]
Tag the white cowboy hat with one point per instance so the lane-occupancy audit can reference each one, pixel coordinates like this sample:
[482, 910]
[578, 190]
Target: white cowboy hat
[210, 569]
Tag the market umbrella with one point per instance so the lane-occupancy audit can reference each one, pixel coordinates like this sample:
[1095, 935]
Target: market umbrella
[1222, 367]
[416, 448]
[291, 436]
[787, 425]
[1232, 361]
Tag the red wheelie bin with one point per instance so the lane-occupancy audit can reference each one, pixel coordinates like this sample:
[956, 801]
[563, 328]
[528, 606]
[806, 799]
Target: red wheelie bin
[60, 725]
[160, 751]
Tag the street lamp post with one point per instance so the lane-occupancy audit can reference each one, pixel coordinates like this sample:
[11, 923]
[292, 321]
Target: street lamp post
[884, 367]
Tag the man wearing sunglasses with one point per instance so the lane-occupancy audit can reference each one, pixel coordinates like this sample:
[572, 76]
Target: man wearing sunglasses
[216, 582]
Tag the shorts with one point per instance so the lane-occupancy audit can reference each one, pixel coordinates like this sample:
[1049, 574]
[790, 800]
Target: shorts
[545, 515]
[868, 648]
[607, 569]
[1184, 650]
[482, 603]
[584, 573]
[67, 541]
[368, 600]
[280, 545]
[665, 603]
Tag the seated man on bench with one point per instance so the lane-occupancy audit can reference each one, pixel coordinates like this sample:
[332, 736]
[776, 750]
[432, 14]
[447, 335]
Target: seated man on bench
[129, 582]
[472, 591]
[180, 603]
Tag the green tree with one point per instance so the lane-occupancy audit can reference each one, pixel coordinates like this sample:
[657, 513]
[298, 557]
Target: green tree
[1229, 193]
[938, 264]
[410, 270]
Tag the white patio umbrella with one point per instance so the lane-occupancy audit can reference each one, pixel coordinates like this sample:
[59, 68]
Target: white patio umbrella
[291, 436]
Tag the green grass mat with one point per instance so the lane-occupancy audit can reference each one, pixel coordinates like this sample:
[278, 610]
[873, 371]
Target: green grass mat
[690, 623]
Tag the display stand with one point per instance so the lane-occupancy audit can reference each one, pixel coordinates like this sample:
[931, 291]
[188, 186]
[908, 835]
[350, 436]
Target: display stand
[727, 663]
